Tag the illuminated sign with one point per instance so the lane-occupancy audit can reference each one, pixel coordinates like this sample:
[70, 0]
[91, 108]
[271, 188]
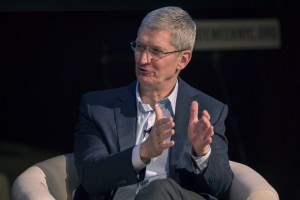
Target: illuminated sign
[237, 34]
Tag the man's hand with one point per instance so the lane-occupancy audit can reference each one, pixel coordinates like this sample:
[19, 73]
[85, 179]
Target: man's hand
[156, 143]
[200, 131]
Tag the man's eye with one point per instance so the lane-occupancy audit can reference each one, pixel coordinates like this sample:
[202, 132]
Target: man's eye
[139, 46]
[156, 52]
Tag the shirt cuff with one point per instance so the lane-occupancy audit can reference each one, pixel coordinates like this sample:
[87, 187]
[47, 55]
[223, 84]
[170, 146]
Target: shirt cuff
[201, 161]
[136, 159]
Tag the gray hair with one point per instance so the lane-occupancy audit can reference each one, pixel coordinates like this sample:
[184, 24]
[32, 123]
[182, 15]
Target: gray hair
[180, 24]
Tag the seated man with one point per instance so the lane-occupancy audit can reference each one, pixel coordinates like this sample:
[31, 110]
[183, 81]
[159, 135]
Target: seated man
[157, 138]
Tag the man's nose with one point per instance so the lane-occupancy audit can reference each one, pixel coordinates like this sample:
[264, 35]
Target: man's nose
[145, 57]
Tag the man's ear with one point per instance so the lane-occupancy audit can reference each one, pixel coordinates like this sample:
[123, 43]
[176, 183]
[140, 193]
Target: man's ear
[184, 59]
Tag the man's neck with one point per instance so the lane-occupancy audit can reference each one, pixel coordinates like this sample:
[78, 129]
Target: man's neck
[150, 95]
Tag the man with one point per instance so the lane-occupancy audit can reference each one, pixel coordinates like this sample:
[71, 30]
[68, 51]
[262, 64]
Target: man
[157, 138]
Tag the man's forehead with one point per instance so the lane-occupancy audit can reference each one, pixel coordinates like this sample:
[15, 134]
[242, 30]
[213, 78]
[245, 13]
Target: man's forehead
[154, 37]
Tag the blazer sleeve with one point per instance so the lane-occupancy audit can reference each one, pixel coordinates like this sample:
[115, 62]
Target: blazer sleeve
[100, 166]
[218, 174]
[216, 178]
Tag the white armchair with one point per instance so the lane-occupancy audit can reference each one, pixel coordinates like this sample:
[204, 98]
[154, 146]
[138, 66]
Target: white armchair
[56, 178]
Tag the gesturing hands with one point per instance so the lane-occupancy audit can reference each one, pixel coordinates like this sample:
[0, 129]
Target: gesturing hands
[157, 142]
[200, 131]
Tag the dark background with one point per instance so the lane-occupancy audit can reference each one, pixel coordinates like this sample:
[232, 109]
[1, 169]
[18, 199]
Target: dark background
[52, 53]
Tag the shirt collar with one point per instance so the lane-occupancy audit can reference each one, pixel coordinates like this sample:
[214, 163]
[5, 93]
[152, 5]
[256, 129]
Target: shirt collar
[172, 98]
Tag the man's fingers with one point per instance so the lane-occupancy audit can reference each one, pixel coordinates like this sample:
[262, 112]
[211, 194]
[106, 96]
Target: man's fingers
[194, 112]
[167, 134]
[168, 144]
[158, 113]
[203, 124]
[206, 114]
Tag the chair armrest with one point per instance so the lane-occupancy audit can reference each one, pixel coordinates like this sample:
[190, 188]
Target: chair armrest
[55, 178]
[249, 185]
[31, 185]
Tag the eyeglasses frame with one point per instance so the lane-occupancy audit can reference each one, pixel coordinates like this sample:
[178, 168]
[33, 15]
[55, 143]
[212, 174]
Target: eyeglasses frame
[149, 49]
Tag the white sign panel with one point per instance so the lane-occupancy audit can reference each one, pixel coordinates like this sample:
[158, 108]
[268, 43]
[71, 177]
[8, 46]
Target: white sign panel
[237, 34]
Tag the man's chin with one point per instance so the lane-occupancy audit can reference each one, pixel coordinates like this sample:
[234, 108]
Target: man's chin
[145, 79]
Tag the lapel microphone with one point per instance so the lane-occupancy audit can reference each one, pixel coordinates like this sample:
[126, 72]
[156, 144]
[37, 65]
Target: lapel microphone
[147, 131]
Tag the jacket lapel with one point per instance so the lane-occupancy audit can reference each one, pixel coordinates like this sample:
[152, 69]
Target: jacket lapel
[182, 145]
[125, 115]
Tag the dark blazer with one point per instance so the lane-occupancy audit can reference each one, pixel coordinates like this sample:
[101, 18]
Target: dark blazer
[105, 136]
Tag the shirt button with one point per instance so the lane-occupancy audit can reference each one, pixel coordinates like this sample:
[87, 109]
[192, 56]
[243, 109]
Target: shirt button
[211, 180]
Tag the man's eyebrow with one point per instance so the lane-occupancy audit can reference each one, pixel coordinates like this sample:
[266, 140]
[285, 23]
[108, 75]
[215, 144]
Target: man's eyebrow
[155, 47]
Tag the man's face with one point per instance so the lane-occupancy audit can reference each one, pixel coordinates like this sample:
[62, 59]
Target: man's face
[156, 72]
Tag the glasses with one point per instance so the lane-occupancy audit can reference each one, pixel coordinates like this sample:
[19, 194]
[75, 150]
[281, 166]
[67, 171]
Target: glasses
[155, 53]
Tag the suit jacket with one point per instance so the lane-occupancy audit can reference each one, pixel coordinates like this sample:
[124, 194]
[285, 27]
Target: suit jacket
[105, 136]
